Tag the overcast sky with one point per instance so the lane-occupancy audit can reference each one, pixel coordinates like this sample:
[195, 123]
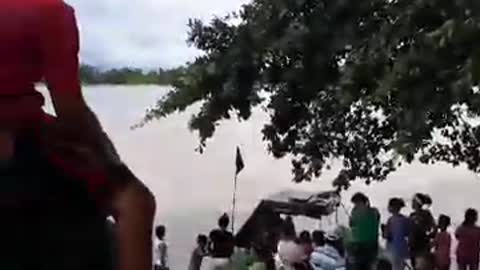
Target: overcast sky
[141, 33]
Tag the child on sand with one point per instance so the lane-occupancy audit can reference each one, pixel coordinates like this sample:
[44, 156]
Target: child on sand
[198, 253]
[161, 248]
[442, 244]
[468, 236]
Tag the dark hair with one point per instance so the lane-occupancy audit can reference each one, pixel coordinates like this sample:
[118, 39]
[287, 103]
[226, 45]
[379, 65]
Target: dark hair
[305, 237]
[423, 199]
[444, 221]
[318, 238]
[223, 221]
[396, 204]
[160, 231]
[360, 198]
[384, 264]
[471, 216]
[201, 238]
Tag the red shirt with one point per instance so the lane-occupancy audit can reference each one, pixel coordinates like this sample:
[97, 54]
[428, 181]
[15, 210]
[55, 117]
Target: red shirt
[38, 41]
[468, 248]
[443, 244]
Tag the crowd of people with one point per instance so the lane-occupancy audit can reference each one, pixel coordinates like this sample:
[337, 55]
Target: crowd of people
[218, 247]
[416, 241]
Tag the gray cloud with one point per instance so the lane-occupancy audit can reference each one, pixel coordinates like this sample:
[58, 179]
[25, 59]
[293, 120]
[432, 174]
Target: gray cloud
[141, 33]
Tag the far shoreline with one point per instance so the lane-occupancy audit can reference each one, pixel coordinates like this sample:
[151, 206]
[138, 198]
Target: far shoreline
[124, 84]
[113, 84]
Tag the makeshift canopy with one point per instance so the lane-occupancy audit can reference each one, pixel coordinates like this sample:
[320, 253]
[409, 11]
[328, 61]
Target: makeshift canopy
[266, 216]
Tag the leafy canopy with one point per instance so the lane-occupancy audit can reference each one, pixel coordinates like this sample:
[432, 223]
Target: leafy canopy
[370, 83]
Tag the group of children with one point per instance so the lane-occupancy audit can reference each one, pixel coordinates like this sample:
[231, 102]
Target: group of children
[429, 245]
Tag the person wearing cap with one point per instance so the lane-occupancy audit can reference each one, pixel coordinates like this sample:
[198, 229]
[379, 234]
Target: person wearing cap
[331, 255]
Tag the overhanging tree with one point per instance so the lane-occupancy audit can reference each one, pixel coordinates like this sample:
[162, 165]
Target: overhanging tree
[370, 83]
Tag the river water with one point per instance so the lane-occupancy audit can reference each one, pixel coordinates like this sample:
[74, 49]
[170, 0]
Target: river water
[192, 190]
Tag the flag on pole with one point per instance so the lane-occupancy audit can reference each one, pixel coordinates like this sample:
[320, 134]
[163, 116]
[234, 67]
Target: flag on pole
[239, 167]
[239, 161]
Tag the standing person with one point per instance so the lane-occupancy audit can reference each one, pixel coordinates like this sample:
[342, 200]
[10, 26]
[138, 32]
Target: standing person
[330, 256]
[198, 253]
[396, 233]
[422, 227]
[68, 156]
[442, 244]
[468, 236]
[305, 240]
[290, 252]
[161, 248]
[364, 222]
[222, 245]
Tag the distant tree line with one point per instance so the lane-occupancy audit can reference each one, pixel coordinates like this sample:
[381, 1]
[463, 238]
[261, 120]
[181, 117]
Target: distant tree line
[93, 75]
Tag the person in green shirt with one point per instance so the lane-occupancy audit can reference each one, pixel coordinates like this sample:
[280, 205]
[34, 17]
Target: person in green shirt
[242, 259]
[364, 223]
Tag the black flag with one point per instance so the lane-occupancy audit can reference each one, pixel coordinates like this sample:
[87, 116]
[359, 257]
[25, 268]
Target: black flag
[239, 161]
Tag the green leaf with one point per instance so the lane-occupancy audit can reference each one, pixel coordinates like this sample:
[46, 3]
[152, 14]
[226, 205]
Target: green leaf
[476, 66]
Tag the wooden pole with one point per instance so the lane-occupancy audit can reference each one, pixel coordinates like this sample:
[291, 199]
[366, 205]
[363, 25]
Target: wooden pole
[234, 201]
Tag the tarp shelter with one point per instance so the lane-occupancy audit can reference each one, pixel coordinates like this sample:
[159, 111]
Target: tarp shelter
[267, 215]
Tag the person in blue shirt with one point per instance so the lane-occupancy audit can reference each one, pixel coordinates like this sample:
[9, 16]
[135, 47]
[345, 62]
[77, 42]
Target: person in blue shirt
[331, 255]
[397, 231]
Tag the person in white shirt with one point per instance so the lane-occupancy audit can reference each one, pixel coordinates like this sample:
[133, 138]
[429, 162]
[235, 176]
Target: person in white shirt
[290, 252]
[161, 249]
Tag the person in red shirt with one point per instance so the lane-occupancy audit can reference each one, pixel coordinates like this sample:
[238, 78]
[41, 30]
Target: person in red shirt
[468, 236]
[442, 244]
[39, 42]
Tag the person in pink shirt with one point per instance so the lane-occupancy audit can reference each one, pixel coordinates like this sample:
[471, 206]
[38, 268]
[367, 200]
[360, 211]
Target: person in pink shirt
[442, 244]
[468, 236]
